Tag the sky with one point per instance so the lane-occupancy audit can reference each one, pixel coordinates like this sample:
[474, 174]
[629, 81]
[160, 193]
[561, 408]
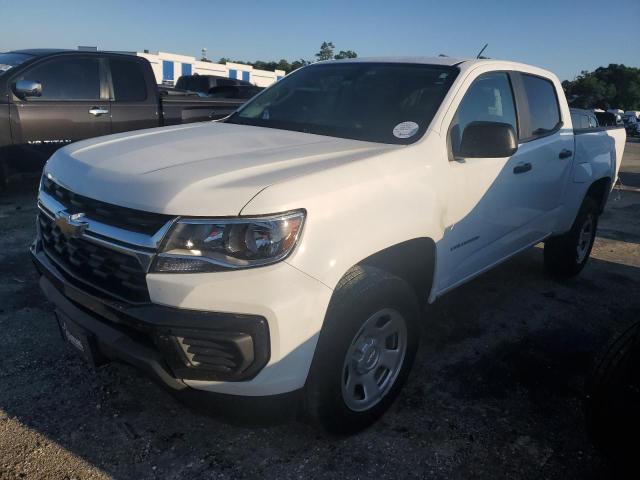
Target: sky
[564, 36]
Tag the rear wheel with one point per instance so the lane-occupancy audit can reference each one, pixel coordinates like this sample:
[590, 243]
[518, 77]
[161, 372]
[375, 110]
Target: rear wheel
[566, 255]
[365, 350]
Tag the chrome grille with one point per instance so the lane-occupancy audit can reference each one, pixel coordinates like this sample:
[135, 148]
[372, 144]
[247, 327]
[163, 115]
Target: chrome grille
[101, 268]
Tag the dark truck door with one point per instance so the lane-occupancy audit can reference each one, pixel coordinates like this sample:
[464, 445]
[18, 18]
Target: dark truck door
[134, 97]
[73, 106]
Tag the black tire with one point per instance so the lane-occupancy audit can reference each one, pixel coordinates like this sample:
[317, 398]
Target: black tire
[612, 401]
[361, 294]
[4, 176]
[561, 254]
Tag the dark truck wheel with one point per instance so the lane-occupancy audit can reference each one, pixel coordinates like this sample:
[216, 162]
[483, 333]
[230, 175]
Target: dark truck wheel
[4, 175]
[365, 350]
[566, 255]
[612, 402]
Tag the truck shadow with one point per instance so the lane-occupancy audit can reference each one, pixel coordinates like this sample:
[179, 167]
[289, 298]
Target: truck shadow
[501, 367]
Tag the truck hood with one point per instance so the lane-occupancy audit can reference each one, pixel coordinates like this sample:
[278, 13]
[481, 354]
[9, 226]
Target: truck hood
[203, 169]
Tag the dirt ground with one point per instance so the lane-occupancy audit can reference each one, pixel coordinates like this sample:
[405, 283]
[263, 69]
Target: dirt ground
[495, 393]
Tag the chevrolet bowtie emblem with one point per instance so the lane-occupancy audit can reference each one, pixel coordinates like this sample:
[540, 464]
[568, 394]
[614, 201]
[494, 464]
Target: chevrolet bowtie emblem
[72, 225]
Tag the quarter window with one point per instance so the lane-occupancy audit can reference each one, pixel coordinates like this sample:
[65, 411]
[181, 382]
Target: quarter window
[489, 99]
[544, 115]
[67, 79]
[579, 121]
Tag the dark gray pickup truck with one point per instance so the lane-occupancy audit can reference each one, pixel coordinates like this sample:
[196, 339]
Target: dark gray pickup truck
[49, 98]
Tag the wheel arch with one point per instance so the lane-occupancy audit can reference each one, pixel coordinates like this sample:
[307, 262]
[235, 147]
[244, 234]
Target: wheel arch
[412, 260]
[599, 191]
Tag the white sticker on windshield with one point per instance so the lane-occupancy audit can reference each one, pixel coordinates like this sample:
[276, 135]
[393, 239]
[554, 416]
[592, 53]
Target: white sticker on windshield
[405, 129]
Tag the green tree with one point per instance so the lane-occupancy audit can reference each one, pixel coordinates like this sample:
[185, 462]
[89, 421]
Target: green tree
[615, 86]
[326, 51]
[347, 54]
[296, 64]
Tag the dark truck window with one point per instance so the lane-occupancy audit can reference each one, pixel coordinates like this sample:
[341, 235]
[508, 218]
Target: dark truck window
[544, 114]
[128, 80]
[377, 102]
[489, 99]
[195, 83]
[66, 79]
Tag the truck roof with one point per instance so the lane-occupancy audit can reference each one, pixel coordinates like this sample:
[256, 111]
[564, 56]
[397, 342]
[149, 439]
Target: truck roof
[41, 51]
[449, 62]
[446, 61]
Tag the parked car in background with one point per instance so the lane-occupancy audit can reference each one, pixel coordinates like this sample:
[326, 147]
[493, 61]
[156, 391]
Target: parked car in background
[203, 84]
[608, 119]
[632, 122]
[50, 98]
[283, 254]
[240, 92]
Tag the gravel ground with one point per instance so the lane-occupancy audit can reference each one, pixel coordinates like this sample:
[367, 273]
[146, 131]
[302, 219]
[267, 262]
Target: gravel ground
[496, 390]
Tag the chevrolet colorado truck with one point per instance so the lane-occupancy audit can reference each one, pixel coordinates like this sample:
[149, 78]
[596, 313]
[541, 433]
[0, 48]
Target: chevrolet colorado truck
[50, 98]
[285, 252]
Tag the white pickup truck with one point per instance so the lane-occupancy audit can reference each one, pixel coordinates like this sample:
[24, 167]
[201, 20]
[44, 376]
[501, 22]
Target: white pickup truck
[285, 252]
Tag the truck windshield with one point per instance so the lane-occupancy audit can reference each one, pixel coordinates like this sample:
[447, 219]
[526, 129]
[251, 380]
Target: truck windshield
[377, 102]
[10, 60]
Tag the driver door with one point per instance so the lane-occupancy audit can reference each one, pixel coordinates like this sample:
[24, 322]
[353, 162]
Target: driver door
[72, 105]
[487, 217]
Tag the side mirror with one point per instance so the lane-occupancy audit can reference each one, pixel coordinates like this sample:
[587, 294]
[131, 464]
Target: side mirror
[488, 140]
[27, 88]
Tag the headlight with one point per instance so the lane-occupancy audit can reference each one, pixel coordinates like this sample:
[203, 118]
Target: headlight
[209, 245]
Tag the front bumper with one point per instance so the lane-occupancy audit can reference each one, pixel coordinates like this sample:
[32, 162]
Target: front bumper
[171, 343]
[283, 313]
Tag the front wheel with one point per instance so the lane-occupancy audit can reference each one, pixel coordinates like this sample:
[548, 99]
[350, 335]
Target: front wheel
[566, 255]
[365, 350]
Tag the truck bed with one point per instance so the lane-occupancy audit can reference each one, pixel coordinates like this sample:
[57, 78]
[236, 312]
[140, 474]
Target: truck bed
[178, 109]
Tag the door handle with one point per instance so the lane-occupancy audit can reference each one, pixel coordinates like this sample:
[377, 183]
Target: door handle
[521, 168]
[97, 111]
[565, 153]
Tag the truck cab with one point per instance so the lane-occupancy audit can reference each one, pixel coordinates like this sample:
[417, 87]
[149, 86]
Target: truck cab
[51, 98]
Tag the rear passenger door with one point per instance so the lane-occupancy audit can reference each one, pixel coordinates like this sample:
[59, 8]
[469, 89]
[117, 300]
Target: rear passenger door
[544, 146]
[134, 102]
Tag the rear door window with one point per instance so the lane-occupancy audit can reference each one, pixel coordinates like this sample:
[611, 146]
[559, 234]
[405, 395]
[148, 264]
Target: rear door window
[128, 80]
[66, 79]
[544, 113]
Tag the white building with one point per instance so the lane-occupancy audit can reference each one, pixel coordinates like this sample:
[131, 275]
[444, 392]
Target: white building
[168, 67]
